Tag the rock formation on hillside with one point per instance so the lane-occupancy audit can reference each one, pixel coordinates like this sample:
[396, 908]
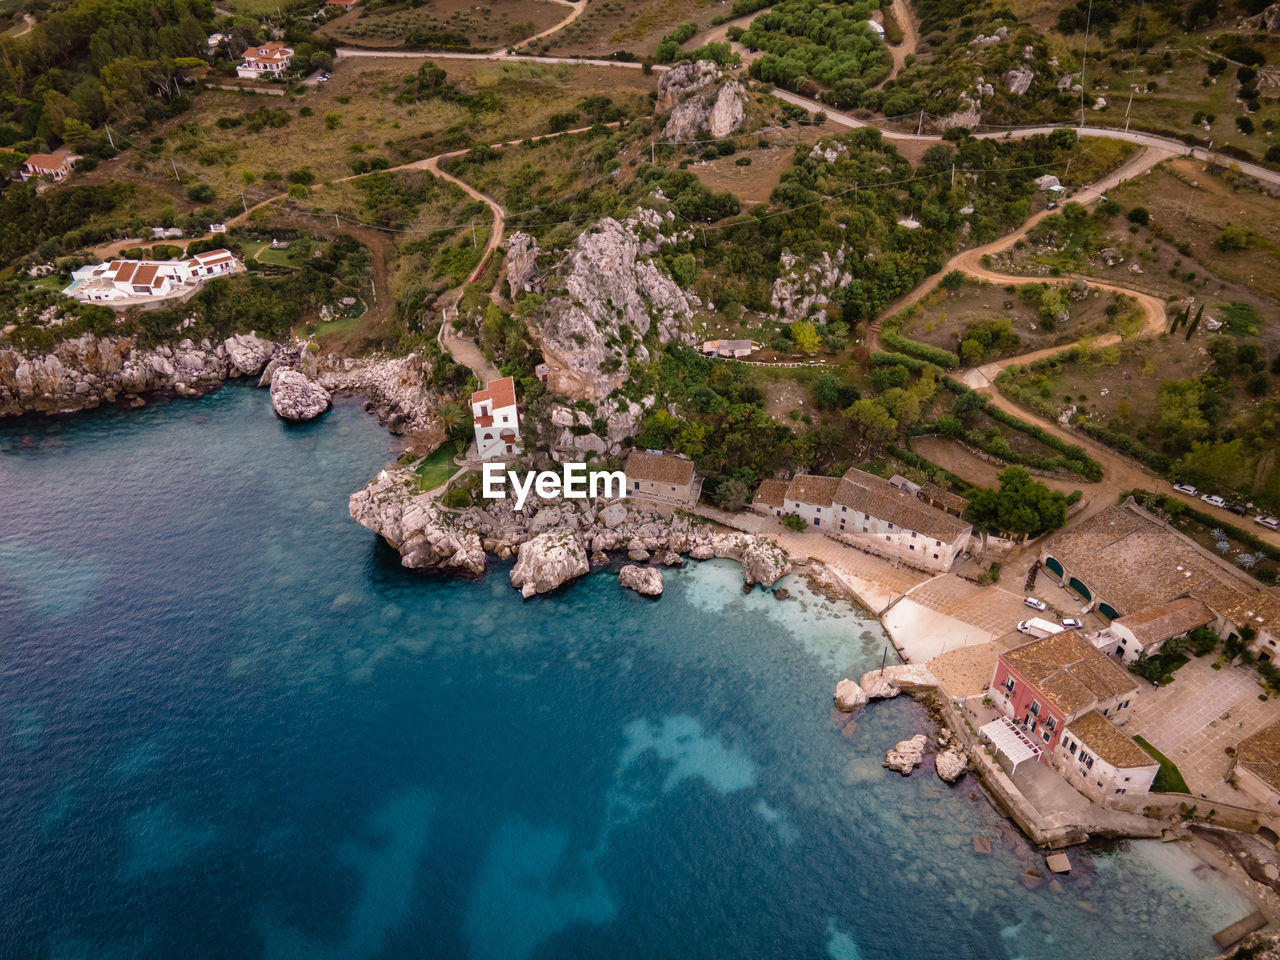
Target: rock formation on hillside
[804, 288]
[294, 397]
[521, 262]
[608, 296]
[700, 99]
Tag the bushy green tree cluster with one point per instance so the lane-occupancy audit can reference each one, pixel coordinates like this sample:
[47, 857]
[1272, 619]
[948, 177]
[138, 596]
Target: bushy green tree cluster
[1020, 507]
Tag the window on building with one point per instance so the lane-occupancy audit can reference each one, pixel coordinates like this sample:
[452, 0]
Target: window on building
[913, 546]
[1119, 789]
[1071, 747]
[817, 522]
[937, 543]
[1051, 723]
[935, 556]
[637, 484]
[844, 509]
[1124, 705]
[1089, 763]
[1045, 736]
[1008, 685]
[891, 526]
[1035, 707]
[913, 534]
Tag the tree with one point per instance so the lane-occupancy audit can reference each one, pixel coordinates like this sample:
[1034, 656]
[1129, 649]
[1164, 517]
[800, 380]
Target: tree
[1178, 414]
[873, 422]
[1021, 506]
[805, 336]
[826, 390]
[732, 494]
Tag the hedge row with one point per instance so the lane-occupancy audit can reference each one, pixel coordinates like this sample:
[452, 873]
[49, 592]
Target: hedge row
[1092, 469]
[1129, 446]
[943, 358]
[879, 359]
[931, 469]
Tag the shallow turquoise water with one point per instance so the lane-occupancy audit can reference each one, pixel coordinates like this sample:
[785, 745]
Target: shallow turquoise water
[232, 726]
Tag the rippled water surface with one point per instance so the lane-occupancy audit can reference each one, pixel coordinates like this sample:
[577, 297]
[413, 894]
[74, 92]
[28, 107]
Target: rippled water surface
[232, 726]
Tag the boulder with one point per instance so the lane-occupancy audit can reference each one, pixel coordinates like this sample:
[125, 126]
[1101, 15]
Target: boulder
[247, 354]
[849, 696]
[646, 581]
[1019, 80]
[951, 763]
[521, 262]
[294, 397]
[547, 561]
[764, 562]
[672, 559]
[700, 98]
[599, 558]
[1078, 289]
[636, 550]
[702, 551]
[877, 686]
[906, 755]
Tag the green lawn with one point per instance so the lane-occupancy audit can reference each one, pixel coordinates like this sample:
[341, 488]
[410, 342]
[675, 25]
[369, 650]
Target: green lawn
[1169, 779]
[438, 467]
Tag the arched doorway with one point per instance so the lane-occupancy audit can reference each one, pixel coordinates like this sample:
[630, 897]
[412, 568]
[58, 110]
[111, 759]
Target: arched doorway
[1108, 611]
[1054, 565]
[1269, 835]
[1079, 588]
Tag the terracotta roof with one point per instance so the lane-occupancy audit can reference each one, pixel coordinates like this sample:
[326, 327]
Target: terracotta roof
[221, 255]
[945, 498]
[502, 393]
[1133, 562]
[49, 161]
[1104, 740]
[771, 492]
[818, 491]
[1171, 619]
[1069, 671]
[659, 468]
[879, 498]
[1260, 755]
[145, 273]
[125, 271]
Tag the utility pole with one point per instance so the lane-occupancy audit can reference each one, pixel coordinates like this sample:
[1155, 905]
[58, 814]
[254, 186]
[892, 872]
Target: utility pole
[1084, 58]
[244, 203]
[109, 140]
[336, 225]
[473, 234]
[920, 124]
[953, 176]
[653, 152]
[175, 168]
[1126, 109]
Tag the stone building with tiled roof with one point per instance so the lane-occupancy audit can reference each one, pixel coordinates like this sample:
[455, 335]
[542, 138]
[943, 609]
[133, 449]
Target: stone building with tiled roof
[1123, 561]
[1146, 631]
[1100, 761]
[770, 497]
[1047, 684]
[1257, 765]
[662, 478]
[870, 513]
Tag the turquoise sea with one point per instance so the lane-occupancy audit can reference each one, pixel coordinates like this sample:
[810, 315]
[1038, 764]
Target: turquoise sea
[231, 726]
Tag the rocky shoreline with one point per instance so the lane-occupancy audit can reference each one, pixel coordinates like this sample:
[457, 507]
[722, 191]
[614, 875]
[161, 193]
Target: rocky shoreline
[86, 372]
[554, 540]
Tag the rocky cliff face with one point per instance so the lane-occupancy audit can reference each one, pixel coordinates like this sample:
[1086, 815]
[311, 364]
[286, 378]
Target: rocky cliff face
[700, 99]
[522, 263]
[397, 389]
[88, 371]
[804, 288]
[608, 296]
[428, 536]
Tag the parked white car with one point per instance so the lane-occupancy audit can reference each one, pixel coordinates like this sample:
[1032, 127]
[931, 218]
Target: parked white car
[1271, 523]
[1034, 604]
[1213, 500]
[1186, 488]
[1071, 622]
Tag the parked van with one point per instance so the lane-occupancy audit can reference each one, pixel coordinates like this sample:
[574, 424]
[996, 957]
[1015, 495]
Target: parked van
[1037, 627]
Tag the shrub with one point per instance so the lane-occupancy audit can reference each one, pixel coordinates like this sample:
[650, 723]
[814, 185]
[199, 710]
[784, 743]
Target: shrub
[1140, 216]
[201, 193]
[793, 521]
[943, 358]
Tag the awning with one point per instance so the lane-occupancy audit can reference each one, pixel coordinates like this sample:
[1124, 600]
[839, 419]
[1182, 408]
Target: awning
[1010, 741]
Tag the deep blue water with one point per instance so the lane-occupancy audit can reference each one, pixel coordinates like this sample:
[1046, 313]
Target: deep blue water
[232, 726]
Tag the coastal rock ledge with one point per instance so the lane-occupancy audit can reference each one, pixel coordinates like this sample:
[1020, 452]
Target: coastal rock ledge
[294, 397]
[646, 581]
[415, 525]
[849, 696]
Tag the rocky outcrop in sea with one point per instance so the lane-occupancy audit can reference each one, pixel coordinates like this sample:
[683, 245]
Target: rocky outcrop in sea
[296, 397]
[646, 581]
[906, 755]
[429, 536]
[87, 371]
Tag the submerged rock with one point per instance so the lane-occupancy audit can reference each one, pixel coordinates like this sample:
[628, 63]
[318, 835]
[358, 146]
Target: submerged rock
[547, 561]
[906, 755]
[643, 580]
[849, 696]
[294, 397]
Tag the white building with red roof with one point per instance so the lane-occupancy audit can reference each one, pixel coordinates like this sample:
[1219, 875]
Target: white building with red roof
[496, 418]
[267, 60]
[128, 282]
[53, 166]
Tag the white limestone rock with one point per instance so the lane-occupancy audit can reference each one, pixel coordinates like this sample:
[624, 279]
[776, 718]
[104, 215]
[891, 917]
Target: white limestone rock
[849, 696]
[294, 397]
[522, 263]
[700, 98]
[906, 755]
[951, 763]
[414, 524]
[247, 354]
[398, 389]
[612, 515]
[646, 581]
[803, 289]
[1019, 80]
[547, 561]
[877, 686]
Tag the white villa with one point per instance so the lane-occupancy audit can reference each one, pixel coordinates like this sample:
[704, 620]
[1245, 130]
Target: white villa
[268, 60]
[496, 418]
[52, 166]
[139, 280]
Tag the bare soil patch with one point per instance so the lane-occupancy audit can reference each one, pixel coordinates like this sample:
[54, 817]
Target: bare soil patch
[487, 25]
[607, 26]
